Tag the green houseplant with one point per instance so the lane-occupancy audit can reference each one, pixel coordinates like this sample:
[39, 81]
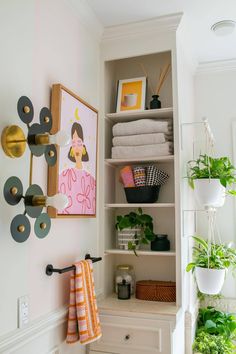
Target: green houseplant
[209, 177]
[209, 264]
[136, 221]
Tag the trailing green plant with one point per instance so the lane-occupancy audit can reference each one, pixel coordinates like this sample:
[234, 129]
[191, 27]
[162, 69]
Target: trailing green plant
[205, 297]
[209, 167]
[134, 220]
[210, 255]
[206, 343]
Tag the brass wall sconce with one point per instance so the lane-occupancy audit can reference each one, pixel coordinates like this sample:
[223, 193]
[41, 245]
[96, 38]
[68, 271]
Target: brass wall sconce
[40, 142]
[39, 139]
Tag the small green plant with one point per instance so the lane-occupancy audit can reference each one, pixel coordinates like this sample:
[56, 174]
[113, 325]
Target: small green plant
[206, 343]
[134, 220]
[211, 256]
[209, 167]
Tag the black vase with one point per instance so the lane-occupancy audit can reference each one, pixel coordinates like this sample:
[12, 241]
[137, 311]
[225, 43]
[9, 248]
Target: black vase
[155, 103]
[161, 243]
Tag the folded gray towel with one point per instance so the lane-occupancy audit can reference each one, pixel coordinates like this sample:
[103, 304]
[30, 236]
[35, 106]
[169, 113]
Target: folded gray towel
[127, 152]
[141, 139]
[142, 126]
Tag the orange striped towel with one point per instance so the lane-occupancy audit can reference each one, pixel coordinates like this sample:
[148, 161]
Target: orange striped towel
[83, 321]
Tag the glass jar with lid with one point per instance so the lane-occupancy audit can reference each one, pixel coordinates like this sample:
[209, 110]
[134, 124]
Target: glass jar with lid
[125, 272]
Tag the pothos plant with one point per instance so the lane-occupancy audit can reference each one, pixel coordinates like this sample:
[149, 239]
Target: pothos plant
[137, 220]
[209, 167]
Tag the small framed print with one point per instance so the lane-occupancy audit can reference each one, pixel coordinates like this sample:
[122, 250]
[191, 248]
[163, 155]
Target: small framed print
[131, 95]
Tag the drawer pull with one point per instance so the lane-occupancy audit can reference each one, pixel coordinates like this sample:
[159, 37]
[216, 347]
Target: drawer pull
[127, 337]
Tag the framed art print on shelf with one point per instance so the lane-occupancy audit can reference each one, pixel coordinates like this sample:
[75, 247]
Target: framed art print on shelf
[131, 95]
[75, 172]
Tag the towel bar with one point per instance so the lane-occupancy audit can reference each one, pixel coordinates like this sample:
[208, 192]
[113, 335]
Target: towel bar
[50, 269]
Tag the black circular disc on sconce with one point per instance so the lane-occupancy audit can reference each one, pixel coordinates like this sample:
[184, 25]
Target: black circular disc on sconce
[13, 190]
[42, 225]
[33, 211]
[20, 228]
[35, 129]
[45, 118]
[25, 109]
[51, 155]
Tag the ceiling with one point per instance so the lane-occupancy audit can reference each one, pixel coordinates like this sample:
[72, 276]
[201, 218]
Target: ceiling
[200, 15]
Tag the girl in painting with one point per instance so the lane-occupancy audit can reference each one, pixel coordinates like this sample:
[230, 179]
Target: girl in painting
[77, 183]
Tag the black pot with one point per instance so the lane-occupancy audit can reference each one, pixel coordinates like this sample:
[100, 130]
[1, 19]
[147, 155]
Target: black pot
[161, 243]
[155, 103]
[146, 194]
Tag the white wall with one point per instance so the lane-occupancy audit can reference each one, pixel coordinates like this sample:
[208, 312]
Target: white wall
[215, 99]
[42, 42]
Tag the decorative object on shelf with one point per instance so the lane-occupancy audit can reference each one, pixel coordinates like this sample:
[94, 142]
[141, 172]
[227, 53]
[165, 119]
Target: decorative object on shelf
[160, 243]
[128, 236]
[125, 272]
[210, 262]
[155, 102]
[131, 95]
[137, 220]
[39, 140]
[142, 138]
[124, 291]
[209, 177]
[50, 270]
[145, 194]
[126, 176]
[75, 172]
[34, 202]
[154, 290]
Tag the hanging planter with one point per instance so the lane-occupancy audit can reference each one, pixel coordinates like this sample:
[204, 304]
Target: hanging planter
[209, 177]
[210, 281]
[210, 262]
[209, 192]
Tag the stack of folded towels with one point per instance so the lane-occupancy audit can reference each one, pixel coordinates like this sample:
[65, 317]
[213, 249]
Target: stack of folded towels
[140, 176]
[142, 138]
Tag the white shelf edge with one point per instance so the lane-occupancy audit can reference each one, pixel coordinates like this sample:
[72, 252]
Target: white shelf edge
[140, 160]
[142, 253]
[141, 205]
[161, 113]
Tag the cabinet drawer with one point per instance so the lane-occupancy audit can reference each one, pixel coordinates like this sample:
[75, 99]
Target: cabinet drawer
[133, 336]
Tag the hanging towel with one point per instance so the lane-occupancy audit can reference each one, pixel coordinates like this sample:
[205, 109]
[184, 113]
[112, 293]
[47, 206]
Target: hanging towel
[83, 321]
[141, 139]
[142, 126]
[126, 176]
[127, 152]
[139, 176]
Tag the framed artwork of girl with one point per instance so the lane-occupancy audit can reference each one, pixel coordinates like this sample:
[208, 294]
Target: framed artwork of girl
[75, 171]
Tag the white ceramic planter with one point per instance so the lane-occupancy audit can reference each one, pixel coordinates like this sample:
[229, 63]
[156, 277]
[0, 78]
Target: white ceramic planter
[209, 192]
[127, 235]
[210, 281]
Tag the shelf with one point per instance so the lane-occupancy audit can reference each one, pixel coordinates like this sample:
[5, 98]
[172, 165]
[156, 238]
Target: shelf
[116, 162]
[140, 205]
[111, 303]
[142, 253]
[161, 113]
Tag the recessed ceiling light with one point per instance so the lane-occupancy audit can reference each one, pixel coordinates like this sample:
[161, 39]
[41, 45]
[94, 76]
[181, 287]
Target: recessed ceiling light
[223, 28]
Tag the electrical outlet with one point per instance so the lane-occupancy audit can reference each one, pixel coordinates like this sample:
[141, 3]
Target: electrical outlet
[23, 311]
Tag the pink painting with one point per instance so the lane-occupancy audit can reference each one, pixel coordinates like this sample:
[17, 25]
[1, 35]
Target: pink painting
[77, 162]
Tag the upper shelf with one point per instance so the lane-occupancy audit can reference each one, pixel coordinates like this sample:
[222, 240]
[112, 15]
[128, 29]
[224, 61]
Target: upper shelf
[140, 160]
[161, 113]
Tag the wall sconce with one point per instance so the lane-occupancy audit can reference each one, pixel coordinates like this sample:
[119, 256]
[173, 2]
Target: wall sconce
[40, 142]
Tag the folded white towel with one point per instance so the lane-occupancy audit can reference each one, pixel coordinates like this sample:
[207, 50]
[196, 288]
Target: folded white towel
[142, 126]
[127, 152]
[141, 139]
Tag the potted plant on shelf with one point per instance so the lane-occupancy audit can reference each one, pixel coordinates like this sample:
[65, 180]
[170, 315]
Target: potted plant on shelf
[134, 228]
[210, 262]
[209, 177]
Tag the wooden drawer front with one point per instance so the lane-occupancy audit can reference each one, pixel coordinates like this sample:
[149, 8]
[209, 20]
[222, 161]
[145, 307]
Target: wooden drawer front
[133, 337]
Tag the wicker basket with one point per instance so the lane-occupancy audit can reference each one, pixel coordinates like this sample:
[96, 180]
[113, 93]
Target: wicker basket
[153, 290]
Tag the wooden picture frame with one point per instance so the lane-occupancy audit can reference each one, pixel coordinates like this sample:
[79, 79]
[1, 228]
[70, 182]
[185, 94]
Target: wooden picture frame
[131, 95]
[75, 172]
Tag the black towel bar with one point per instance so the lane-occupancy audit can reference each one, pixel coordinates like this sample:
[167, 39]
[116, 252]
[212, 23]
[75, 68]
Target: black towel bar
[50, 269]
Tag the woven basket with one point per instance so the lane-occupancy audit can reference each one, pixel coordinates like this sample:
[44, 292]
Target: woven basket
[153, 290]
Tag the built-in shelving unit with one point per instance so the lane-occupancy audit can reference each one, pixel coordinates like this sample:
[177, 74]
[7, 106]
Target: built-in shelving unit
[140, 205]
[142, 253]
[162, 113]
[140, 160]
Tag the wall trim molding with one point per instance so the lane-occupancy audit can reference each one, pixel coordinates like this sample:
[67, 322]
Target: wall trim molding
[216, 66]
[155, 25]
[19, 337]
